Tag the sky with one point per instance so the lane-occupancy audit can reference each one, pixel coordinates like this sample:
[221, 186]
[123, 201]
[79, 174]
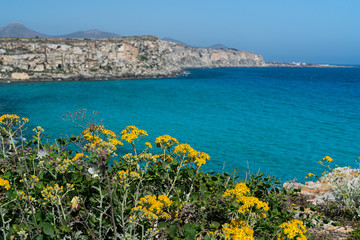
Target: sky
[312, 31]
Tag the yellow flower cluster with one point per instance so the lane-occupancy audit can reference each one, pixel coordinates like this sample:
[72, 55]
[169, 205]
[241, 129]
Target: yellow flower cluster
[123, 175]
[199, 158]
[77, 157]
[148, 145]
[310, 175]
[213, 235]
[163, 157]
[31, 180]
[51, 193]
[147, 157]
[10, 120]
[23, 196]
[165, 141]
[239, 191]
[62, 165]
[248, 202]
[38, 129]
[238, 230]
[294, 229]
[5, 183]
[6, 118]
[153, 207]
[326, 158]
[107, 144]
[70, 186]
[184, 149]
[130, 133]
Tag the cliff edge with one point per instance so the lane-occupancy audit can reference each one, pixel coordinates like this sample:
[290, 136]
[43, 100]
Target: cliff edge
[123, 57]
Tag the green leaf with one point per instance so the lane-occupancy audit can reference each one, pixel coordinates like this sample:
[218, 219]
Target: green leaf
[214, 225]
[48, 229]
[187, 226]
[172, 232]
[190, 234]
[162, 224]
[41, 237]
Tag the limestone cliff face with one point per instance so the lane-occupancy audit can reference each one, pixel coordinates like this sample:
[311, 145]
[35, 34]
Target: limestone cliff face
[126, 57]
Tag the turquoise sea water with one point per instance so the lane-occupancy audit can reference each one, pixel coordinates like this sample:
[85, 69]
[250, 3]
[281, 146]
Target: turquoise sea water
[279, 120]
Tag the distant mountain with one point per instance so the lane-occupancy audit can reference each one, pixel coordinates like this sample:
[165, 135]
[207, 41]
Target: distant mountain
[218, 46]
[18, 30]
[174, 40]
[88, 34]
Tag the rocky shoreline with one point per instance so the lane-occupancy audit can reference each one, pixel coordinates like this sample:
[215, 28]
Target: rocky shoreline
[323, 193]
[32, 59]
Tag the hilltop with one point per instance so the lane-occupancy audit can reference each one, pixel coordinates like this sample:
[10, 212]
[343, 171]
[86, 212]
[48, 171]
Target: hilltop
[16, 29]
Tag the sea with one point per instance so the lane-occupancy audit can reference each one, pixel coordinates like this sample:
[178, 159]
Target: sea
[278, 121]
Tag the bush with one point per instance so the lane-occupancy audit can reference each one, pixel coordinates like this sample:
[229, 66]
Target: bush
[48, 191]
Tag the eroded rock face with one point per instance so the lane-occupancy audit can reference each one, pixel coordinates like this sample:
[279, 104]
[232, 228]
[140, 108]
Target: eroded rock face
[126, 57]
[20, 76]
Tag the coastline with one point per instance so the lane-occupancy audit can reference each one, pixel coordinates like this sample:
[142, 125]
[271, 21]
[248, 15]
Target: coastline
[48, 60]
[83, 78]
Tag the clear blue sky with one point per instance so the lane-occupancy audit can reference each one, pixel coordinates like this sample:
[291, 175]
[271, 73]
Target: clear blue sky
[314, 31]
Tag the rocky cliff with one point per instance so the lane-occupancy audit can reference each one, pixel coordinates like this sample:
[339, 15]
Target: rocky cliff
[125, 57]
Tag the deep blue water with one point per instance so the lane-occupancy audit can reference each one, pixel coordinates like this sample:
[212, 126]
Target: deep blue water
[279, 120]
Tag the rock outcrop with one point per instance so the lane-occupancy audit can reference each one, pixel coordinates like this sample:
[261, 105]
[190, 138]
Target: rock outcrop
[124, 57]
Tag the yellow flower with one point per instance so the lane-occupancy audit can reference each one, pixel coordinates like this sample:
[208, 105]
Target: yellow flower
[329, 159]
[77, 156]
[38, 129]
[165, 141]
[100, 140]
[6, 118]
[310, 175]
[23, 196]
[5, 183]
[132, 134]
[294, 229]
[248, 202]
[199, 158]
[154, 207]
[239, 191]
[148, 145]
[123, 175]
[237, 230]
[53, 194]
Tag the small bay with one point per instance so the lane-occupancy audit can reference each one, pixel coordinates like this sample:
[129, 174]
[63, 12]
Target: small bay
[279, 120]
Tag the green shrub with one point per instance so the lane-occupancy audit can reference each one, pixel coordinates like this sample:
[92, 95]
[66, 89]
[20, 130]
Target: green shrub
[48, 191]
[355, 234]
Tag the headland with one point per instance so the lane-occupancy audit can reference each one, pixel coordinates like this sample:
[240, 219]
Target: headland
[54, 59]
